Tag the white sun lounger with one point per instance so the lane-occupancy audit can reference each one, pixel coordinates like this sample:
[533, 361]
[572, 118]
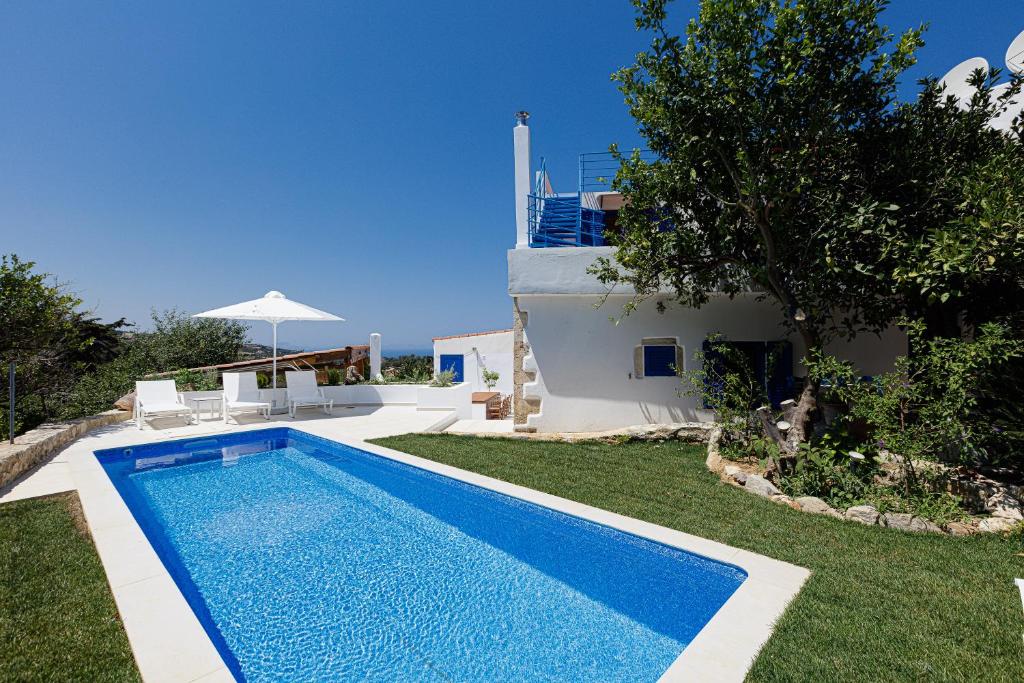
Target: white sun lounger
[242, 395]
[303, 392]
[159, 397]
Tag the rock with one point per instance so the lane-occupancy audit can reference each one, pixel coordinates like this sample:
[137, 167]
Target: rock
[903, 521]
[126, 402]
[959, 529]
[818, 507]
[907, 522]
[865, 514]
[714, 459]
[783, 499]
[757, 484]
[1002, 504]
[996, 525]
[736, 474]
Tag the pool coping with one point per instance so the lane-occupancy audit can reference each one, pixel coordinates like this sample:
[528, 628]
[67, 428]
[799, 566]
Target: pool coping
[170, 644]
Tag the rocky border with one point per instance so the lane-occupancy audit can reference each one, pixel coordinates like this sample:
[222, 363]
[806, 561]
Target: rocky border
[1007, 510]
[34, 446]
[689, 432]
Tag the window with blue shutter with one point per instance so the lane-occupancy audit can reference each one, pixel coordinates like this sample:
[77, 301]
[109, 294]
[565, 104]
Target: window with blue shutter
[659, 361]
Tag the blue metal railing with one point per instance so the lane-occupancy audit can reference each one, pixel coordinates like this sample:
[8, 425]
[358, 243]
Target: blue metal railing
[572, 219]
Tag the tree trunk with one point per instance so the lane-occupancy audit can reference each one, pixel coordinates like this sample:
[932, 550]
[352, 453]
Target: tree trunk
[800, 417]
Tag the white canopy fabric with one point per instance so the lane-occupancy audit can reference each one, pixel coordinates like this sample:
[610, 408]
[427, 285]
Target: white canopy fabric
[273, 307]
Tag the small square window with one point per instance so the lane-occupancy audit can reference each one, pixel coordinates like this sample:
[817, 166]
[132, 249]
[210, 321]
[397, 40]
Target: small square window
[659, 361]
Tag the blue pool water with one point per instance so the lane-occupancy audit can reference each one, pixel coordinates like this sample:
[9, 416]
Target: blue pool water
[307, 560]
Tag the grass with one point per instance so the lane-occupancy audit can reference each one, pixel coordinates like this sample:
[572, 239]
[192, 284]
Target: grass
[58, 621]
[881, 605]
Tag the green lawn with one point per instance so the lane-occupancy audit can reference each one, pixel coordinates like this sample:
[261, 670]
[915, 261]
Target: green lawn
[881, 605]
[58, 621]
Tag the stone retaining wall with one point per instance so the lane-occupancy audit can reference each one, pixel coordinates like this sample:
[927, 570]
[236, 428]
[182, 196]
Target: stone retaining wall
[33, 447]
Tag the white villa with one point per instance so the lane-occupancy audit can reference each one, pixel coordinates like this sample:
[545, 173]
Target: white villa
[576, 369]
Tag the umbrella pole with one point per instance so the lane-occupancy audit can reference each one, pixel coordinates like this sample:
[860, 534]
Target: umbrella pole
[274, 362]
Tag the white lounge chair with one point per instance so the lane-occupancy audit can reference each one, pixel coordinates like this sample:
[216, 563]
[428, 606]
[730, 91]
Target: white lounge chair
[303, 392]
[242, 395]
[159, 397]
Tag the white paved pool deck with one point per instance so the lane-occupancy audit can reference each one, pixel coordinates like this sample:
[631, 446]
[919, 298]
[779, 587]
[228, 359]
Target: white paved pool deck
[171, 645]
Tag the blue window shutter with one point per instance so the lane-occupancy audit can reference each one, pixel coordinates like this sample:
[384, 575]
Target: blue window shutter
[453, 362]
[659, 361]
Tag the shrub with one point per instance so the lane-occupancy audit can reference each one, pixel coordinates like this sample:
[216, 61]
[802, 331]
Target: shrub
[334, 377]
[445, 378]
[490, 378]
[925, 409]
[196, 380]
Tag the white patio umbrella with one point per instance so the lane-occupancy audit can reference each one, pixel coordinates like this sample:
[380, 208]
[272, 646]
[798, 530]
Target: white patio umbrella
[273, 307]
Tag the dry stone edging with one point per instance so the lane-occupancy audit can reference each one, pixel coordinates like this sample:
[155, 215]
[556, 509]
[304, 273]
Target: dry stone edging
[34, 446]
[1007, 510]
[690, 432]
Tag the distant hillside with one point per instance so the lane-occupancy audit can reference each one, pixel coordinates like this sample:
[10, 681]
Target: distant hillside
[262, 351]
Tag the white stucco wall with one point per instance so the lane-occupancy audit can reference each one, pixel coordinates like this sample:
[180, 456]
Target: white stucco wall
[492, 350]
[584, 361]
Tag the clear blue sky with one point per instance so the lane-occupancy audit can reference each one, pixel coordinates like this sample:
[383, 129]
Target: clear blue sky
[356, 156]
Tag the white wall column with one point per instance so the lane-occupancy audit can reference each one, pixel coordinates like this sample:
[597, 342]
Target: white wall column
[375, 356]
[521, 144]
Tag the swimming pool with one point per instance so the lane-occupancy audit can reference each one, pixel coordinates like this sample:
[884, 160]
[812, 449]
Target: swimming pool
[305, 559]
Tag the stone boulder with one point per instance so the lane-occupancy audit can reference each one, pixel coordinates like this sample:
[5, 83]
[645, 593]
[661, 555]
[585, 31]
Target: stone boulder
[126, 402]
[865, 514]
[757, 484]
[907, 522]
[783, 499]
[736, 474]
[959, 529]
[1004, 505]
[996, 525]
[817, 506]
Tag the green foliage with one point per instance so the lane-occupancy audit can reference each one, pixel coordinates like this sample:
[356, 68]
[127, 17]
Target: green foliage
[925, 409]
[334, 377]
[40, 331]
[263, 380]
[175, 339]
[196, 380]
[445, 378]
[407, 369]
[181, 341]
[490, 378]
[730, 388]
[759, 117]
[826, 469]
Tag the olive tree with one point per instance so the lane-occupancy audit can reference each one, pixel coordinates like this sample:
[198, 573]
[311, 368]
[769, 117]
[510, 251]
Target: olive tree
[759, 117]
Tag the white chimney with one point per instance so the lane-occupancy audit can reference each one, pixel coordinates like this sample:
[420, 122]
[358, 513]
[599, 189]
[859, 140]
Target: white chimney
[521, 142]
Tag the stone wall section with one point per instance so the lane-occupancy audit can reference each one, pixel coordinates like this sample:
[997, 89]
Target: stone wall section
[522, 406]
[33, 447]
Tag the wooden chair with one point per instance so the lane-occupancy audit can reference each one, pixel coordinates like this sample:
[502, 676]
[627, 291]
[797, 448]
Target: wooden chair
[505, 409]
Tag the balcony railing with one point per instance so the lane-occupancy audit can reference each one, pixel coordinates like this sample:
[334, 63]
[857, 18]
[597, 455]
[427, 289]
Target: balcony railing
[572, 219]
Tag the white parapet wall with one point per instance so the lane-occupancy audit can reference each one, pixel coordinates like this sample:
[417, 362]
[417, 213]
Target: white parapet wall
[458, 398]
[372, 394]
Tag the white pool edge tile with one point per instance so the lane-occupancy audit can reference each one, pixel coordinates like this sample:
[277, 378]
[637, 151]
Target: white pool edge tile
[724, 649]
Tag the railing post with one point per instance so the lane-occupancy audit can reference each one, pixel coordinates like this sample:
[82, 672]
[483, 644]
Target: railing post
[10, 397]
